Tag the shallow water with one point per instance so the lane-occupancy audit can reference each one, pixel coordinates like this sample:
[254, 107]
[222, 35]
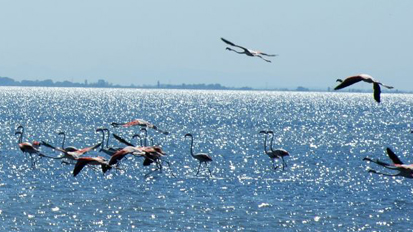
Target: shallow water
[325, 187]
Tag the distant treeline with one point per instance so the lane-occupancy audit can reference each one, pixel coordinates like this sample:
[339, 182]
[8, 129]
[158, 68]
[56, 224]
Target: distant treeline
[6, 81]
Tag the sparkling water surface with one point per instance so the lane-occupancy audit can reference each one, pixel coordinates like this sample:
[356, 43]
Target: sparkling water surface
[326, 186]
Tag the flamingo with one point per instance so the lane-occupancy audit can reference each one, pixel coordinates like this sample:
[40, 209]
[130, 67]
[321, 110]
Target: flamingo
[270, 154]
[278, 153]
[28, 148]
[139, 122]
[405, 170]
[247, 51]
[201, 157]
[151, 154]
[83, 161]
[366, 78]
[71, 155]
[123, 152]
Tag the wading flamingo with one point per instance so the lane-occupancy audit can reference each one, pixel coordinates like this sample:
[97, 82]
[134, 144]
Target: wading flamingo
[28, 148]
[201, 157]
[278, 153]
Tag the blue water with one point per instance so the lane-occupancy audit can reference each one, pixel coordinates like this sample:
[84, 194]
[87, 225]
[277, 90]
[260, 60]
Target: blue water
[326, 186]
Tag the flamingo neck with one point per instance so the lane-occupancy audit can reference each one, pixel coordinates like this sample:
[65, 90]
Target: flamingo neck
[272, 139]
[103, 139]
[63, 141]
[265, 143]
[237, 51]
[20, 138]
[192, 145]
[107, 140]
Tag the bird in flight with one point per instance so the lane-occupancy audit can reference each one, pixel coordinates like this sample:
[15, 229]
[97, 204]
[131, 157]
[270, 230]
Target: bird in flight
[139, 122]
[405, 170]
[366, 78]
[247, 51]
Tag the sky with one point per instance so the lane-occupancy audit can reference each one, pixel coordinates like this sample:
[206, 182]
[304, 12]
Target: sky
[178, 41]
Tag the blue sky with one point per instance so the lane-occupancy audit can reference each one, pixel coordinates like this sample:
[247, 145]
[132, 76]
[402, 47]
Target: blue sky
[141, 42]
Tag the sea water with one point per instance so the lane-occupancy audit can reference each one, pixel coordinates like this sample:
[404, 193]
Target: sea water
[325, 186]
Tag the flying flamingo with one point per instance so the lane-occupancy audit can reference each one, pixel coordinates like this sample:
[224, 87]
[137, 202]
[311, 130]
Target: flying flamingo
[119, 155]
[70, 155]
[152, 154]
[278, 153]
[366, 78]
[28, 148]
[247, 51]
[201, 157]
[405, 170]
[83, 161]
[139, 122]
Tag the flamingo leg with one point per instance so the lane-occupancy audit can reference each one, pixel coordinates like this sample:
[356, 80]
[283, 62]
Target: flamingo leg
[284, 163]
[273, 164]
[152, 171]
[381, 173]
[169, 166]
[33, 160]
[199, 166]
[210, 173]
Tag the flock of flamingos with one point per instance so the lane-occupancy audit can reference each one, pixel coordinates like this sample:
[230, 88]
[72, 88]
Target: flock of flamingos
[153, 154]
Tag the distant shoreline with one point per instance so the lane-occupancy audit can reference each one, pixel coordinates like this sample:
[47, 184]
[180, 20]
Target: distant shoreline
[6, 81]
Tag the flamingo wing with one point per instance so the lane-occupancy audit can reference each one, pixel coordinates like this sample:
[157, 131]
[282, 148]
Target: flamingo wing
[387, 86]
[232, 44]
[52, 147]
[377, 91]
[393, 156]
[121, 140]
[147, 161]
[349, 81]
[265, 54]
[117, 157]
[80, 164]
[87, 149]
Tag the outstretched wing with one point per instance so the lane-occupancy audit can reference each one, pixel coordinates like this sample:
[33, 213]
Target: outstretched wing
[265, 54]
[87, 149]
[81, 162]
[122, 140]
[377, 91]
[116, 157]
[232, 44]
[387, 86]
[52, 147]
[393, 156]
[348, 81]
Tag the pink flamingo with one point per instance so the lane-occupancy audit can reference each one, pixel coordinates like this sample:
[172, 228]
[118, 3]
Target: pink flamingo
[83, 161]
[70, 155]
[139, 122]
[405, 170]
[366, 78]
[28, 148]
[247, 51]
